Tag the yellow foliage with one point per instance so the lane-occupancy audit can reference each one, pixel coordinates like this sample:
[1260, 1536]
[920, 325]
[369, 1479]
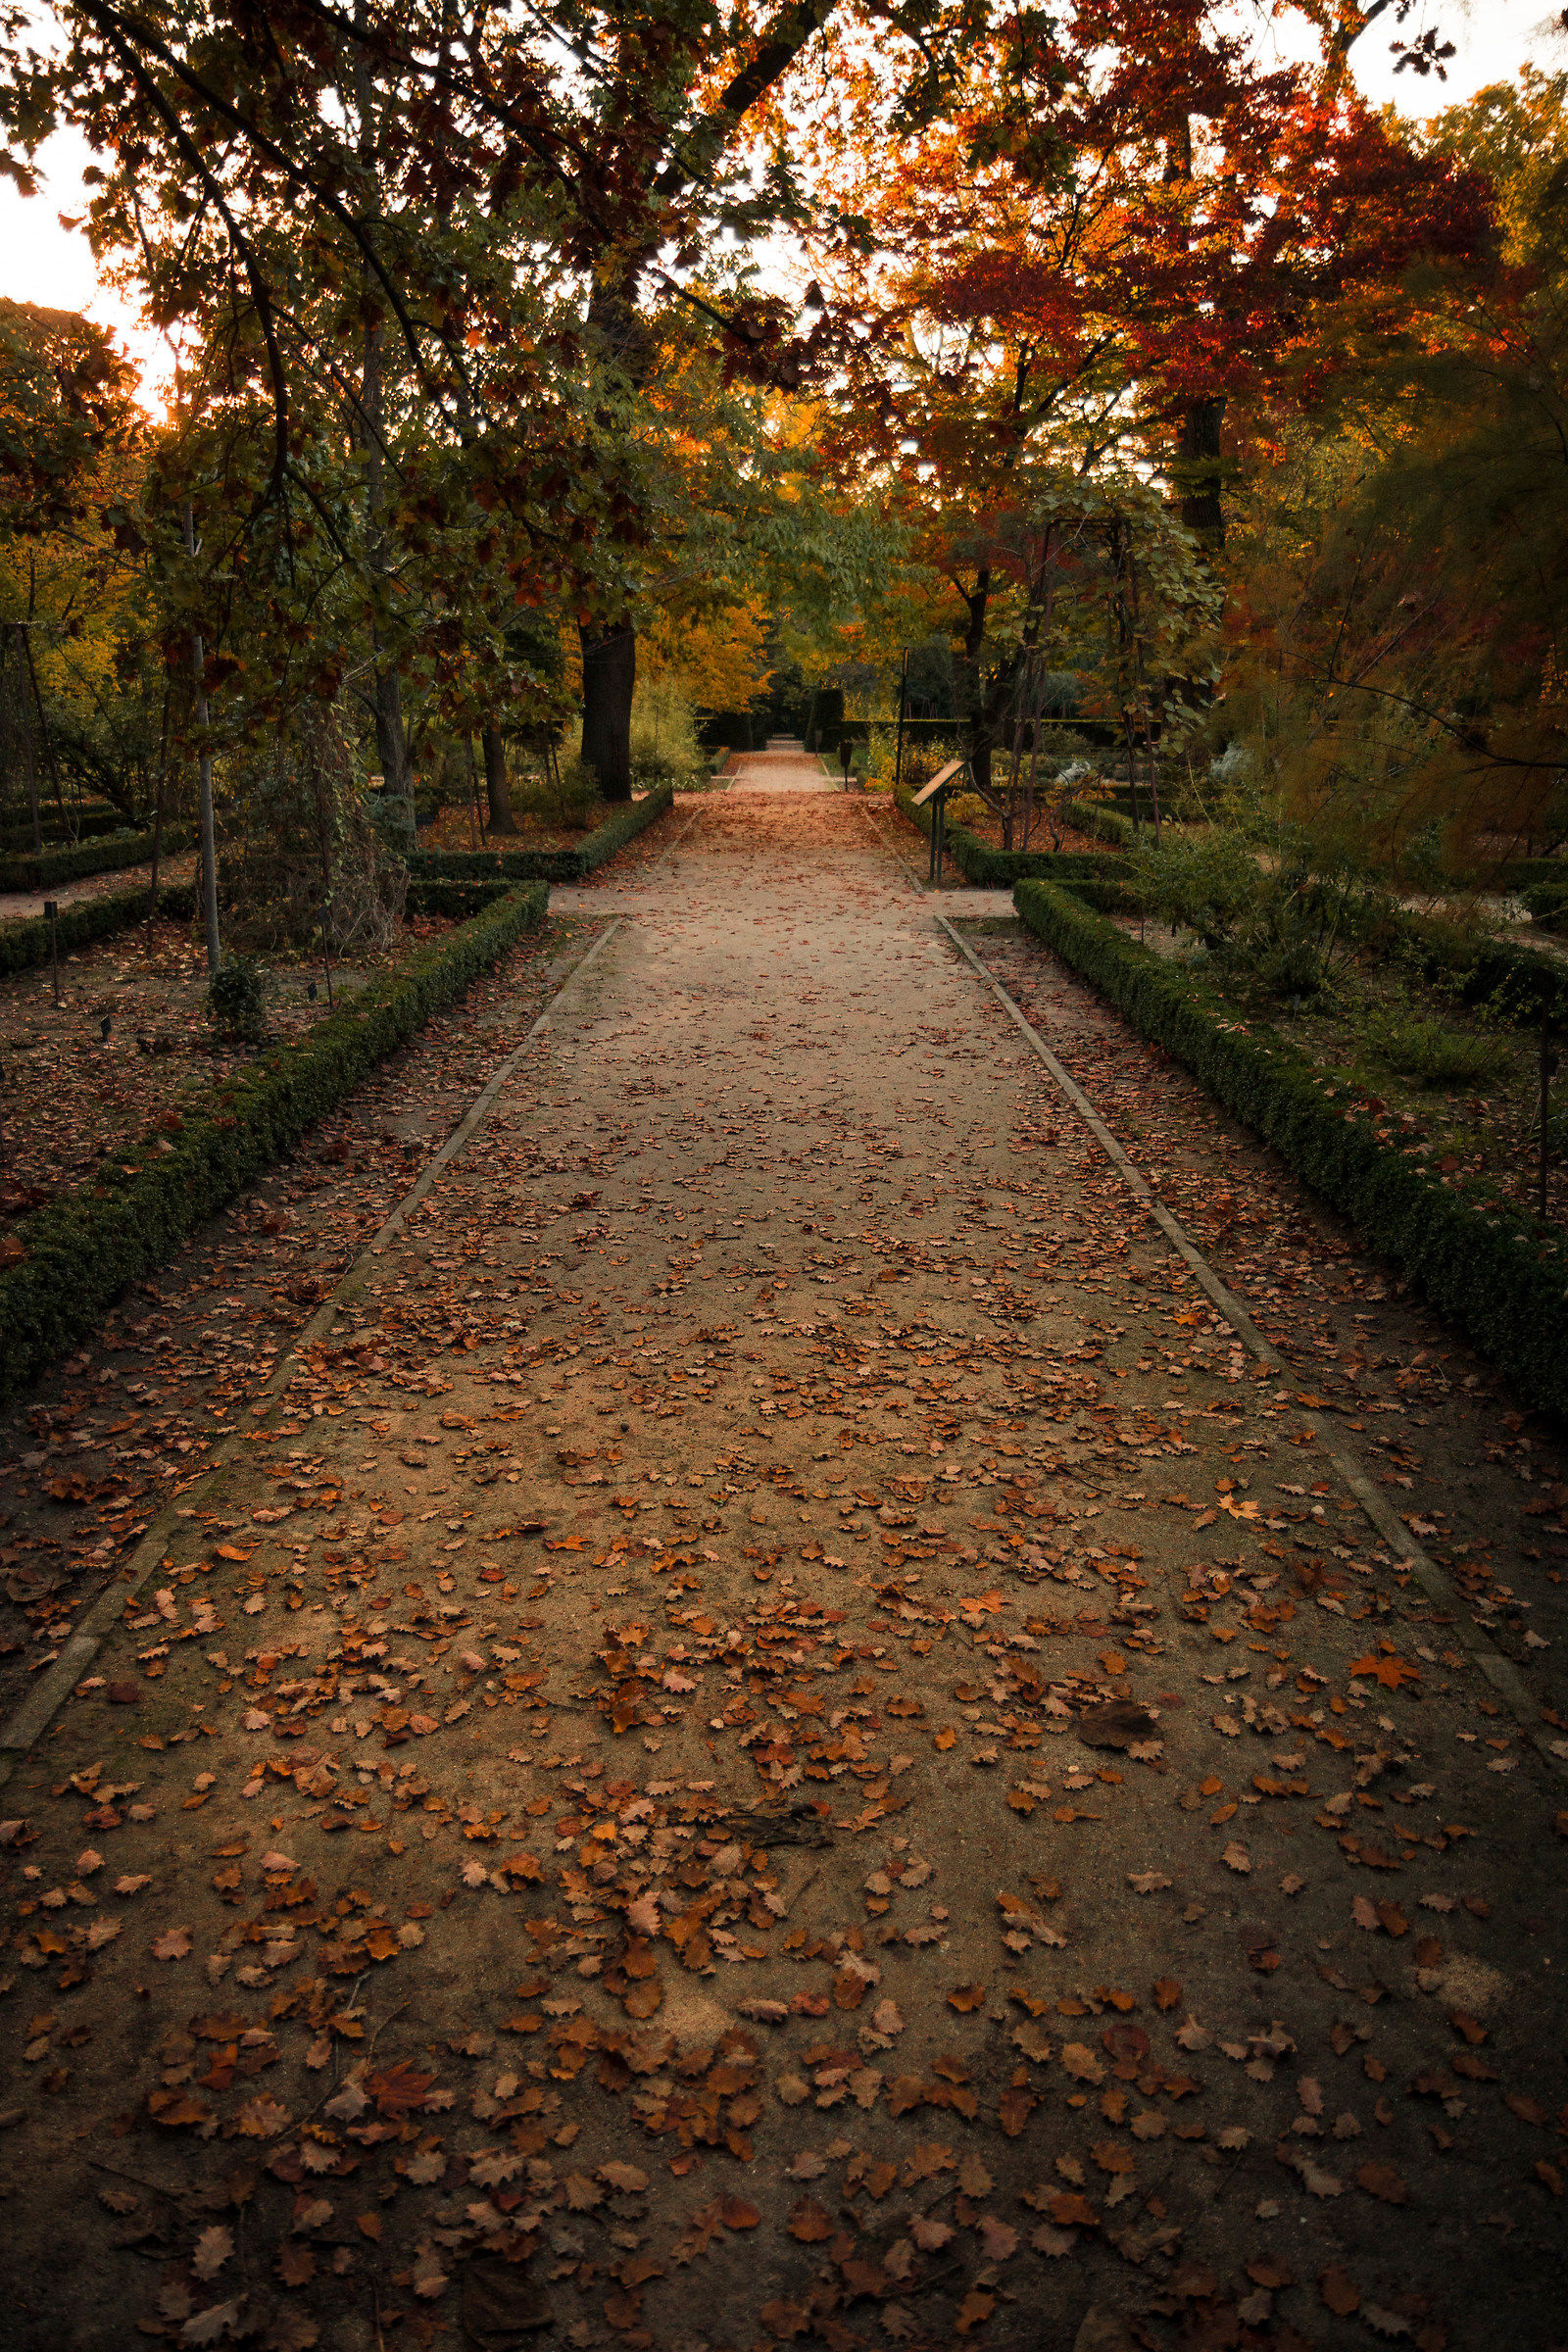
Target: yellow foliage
[716, 660]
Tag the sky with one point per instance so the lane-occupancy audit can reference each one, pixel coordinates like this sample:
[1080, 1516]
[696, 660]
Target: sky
[43, 261]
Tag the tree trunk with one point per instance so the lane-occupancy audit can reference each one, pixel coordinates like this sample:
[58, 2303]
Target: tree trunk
[391, 741]
[496, 787]
[609, 676]
[1198, 471]
[25, 728]
[208, 870]
[968, 679]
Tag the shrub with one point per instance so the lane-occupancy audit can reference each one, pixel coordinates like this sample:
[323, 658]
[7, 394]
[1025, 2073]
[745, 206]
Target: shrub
[1425, 1050]
[1204, 886]
[1274, 904]
[569, 798]
[236, 1000]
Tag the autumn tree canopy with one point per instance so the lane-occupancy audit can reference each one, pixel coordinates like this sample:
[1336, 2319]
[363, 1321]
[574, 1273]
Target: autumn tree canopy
[507, 338]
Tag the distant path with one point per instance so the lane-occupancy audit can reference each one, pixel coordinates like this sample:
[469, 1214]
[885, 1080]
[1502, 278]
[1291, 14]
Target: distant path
[785, 766]
[16, 905]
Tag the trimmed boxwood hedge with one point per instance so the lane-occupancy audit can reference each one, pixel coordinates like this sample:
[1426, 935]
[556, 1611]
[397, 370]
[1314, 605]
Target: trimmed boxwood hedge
[734, 731]
[1000, 870]
[1525, 873]
[15, 841]
[461, 900]
[43, 871]
[1499, 1276]
[25, 945]
[595, 848]
[82, 1250]
[1519, 983]
[1100, 822]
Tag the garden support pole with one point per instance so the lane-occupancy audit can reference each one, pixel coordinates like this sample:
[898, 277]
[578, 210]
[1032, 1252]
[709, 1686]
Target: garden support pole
[903, 703]
[158, 818]
[204, 775]
[1546, 1058]
[25, 718]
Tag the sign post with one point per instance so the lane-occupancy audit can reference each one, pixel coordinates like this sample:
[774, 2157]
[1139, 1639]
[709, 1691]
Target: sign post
[935, 797]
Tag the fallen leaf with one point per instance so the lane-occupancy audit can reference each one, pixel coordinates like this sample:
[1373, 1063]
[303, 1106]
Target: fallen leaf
[1338, 2291]
[1079, 2061]
[1390, 1671]
[1381, 2180]
[213, 2249]
[809, 2222]
[928, 2232]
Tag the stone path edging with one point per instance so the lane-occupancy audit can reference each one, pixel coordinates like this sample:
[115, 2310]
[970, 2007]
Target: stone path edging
[28, 1722]
[1500, 1671]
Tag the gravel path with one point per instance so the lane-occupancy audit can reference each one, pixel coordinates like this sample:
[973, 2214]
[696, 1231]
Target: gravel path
[15, 903]
[778, 1740]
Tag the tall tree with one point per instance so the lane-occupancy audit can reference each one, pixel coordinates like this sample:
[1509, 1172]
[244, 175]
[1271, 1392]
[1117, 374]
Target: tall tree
[1115, 224]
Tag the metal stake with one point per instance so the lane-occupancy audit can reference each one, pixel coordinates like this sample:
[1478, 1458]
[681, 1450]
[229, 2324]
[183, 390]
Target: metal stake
[1548, 1057]
[51, 908]
[904, 699]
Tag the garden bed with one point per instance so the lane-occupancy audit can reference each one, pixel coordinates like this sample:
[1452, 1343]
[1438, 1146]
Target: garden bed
[72, 1097]
[972, 854]
[1430, 1168]
[513, 858]
[1446, 1065]
[74, 862]
[66, 1260]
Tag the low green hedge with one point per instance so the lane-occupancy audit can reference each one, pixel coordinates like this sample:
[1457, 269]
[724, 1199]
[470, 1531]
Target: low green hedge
[25, 945]
[15, 840]
[460, 900]
[1082, 870]
[1547, 903]
[1100, 822]
[44, 871]
[1526, 873]
[595, 848]
[1499, 1276]
[82, 1250]
[1519, 983]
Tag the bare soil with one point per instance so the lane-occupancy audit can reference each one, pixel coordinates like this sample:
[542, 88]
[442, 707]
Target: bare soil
[73, 1094]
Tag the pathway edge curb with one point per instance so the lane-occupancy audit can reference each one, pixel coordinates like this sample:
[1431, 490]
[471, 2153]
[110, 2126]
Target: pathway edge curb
[27, 1722]
[1500, 1671]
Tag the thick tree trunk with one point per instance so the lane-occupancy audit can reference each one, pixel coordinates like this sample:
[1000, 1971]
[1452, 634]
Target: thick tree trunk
[968, 679]
[1198, 471]
[391, 742]
[496, 788]
[609, 676]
